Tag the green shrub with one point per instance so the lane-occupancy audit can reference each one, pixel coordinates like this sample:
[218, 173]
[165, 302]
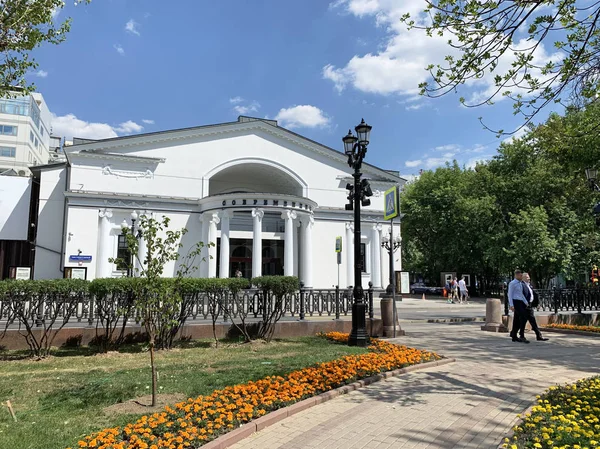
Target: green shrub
[277, 285]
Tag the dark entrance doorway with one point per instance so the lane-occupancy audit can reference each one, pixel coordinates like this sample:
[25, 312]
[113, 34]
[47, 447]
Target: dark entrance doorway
[240, 257]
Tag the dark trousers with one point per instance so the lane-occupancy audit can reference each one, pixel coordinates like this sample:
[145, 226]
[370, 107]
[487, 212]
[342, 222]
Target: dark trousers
[533, 322]
[519, 319]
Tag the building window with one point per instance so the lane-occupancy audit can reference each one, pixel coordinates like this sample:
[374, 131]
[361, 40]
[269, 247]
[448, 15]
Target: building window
[123, 253]
[363, 257]
[8, 152]
[31, 136]
[7, 130]
[37, 144]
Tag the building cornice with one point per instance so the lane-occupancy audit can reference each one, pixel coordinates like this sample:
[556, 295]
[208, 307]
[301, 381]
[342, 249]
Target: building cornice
[113, 156]
[129, 197]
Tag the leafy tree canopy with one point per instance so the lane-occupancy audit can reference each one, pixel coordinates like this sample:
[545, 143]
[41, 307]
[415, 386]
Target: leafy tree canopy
[537, 51]
[24, 26]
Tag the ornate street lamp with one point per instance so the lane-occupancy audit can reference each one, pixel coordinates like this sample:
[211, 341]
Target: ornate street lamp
[355, 147]
[137, 235]
[391, 246]
[592, 174]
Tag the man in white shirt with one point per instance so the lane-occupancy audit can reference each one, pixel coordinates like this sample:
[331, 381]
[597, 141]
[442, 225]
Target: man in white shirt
[464, 293]
[530, 314]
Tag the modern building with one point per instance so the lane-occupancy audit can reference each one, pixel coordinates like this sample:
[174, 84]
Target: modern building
[24, 133]
[272, 202]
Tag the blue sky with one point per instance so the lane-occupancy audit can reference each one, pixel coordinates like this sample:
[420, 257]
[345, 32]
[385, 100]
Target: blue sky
[132, 66]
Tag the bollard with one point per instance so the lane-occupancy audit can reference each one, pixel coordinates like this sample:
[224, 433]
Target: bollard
[301, 300]
[337, 302]
[493, 316]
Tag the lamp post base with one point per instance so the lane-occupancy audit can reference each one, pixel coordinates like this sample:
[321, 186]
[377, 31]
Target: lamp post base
[359, 336]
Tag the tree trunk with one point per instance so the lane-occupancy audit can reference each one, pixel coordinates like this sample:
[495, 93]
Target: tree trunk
[153, 368]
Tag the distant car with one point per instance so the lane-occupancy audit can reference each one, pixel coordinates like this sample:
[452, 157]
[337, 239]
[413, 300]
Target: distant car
[420, 287]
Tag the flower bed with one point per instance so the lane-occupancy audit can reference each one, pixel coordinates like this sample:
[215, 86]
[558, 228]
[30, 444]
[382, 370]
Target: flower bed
[192, 423]
[574, 327]
[565, 417]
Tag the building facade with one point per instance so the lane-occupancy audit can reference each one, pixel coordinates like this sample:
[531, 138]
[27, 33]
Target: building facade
[24, 133]
[270, 200]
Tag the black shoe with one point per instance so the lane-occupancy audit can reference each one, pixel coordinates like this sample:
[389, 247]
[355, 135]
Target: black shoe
[520, 340]
[540, 338]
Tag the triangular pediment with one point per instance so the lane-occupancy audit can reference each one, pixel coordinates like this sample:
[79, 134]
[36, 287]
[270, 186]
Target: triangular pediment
[123, 147]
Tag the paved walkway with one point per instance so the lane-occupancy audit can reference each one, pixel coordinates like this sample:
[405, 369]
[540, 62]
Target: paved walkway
[472, 403]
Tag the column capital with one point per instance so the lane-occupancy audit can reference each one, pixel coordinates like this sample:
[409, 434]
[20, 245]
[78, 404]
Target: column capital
[377, 227]
[226, 213]
[258, 213]
[350, 226]
[289, 214]
[105, 213]
[308, 220]
[210, 217]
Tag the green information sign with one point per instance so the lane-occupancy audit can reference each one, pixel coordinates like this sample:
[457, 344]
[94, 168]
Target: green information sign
[391, 206]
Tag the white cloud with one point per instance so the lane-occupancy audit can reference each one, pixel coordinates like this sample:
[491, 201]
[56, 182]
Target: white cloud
[148, 122]
[41, 74]
[70, 126]
[414, 107]
[302, 116]
[129, 127]
[236, 100]
[132, 27]
[398, 66]
[245, 109]
[449, 147]
[119, 49]
[415, 163]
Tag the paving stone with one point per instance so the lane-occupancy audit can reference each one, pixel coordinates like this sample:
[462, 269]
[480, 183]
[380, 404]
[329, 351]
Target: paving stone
[471, 403]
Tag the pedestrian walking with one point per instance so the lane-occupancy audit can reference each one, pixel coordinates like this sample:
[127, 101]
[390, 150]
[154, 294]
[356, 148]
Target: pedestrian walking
[455, 294]
[534, 302]
[464, 293]
[518, 304]
[448, 288]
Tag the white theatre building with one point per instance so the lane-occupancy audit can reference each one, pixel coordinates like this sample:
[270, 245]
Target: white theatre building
[271, 201]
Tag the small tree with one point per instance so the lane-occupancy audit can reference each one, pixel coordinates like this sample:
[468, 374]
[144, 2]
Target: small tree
[275, 290]
[159, 300]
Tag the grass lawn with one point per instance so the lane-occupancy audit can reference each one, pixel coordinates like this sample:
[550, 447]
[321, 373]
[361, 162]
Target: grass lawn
[60, 399]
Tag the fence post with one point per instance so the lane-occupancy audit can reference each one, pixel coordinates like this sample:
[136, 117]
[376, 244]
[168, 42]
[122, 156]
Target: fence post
[301, 300]
[371, 302]
[555, 300]
[337, 302]
[579, 300]
[505, 295]
[91, 310]
[264, 304]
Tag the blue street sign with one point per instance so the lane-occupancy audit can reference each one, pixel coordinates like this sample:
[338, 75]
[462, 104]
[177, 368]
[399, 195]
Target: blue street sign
[80, 258]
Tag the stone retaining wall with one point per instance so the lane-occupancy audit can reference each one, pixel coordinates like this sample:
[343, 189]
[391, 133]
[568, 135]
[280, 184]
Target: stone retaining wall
[84, 335]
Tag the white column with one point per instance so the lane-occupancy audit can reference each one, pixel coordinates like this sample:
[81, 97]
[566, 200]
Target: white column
[224, 262]
[348, 248]
[213, 221]
[296, 253]
[103, 266]
[142, 247]
[376, 256]
[308, 222]
[203, 271]
[288, 248]
[257, 215]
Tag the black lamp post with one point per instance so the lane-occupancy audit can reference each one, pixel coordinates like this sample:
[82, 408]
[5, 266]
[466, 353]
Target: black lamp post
[391, 244]
[124, 231]
[355, 147]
